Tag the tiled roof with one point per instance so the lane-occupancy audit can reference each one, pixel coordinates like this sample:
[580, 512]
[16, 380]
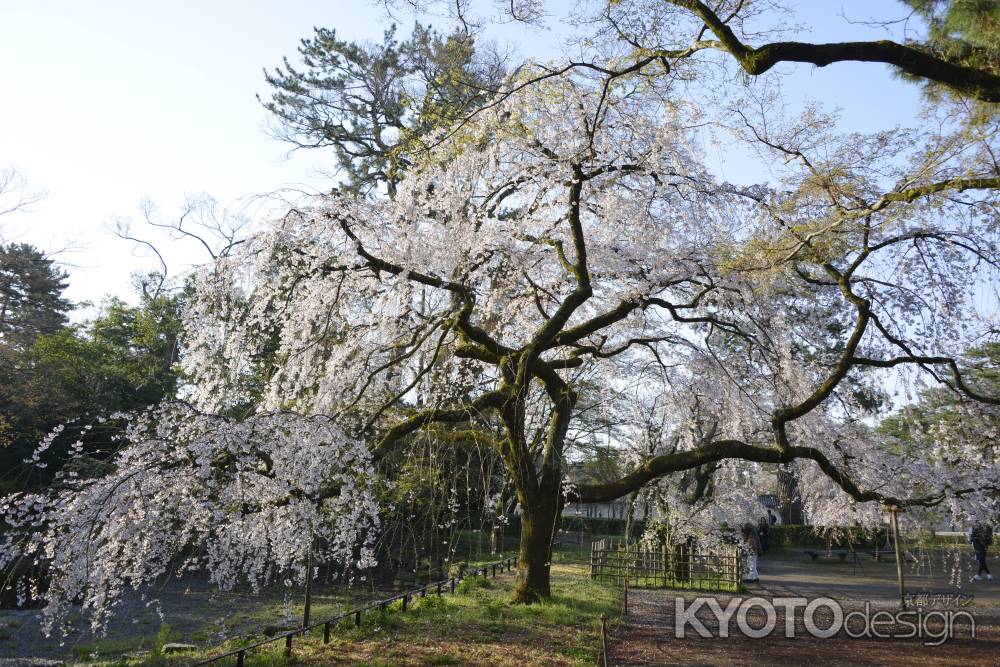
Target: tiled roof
[769, 500]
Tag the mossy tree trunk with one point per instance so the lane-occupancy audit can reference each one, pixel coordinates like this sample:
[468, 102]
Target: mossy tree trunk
[534, 564]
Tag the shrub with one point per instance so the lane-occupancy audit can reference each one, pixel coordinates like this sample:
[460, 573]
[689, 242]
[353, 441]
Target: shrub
[589, 525]
[792, 536]
[470, 584]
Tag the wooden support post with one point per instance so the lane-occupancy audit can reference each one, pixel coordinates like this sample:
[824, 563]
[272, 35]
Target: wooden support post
[894, 519]
[326, 632]
[309, 581]
[625, 599]
[357, 618]
[241, 658]
[288, 645]
[452, 583]
[604, 640]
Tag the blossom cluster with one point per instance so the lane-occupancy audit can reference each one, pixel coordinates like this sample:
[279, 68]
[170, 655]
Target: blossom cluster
[241, 500]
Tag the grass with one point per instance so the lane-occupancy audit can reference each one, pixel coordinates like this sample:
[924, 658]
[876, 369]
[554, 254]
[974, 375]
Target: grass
[475, 627]
[95, 651]
[111, 651]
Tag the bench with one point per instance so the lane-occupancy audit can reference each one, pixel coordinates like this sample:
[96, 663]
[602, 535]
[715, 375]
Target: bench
[816, 554]
[890, 554]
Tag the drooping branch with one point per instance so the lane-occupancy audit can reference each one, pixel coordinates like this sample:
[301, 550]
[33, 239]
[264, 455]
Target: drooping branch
[572, 335]
[379, 264]
[951, 184]
[782, 416]
[485, 345]
[957, 383]
[676, 461]
[971, 81]
[461, 414]
[679, 461]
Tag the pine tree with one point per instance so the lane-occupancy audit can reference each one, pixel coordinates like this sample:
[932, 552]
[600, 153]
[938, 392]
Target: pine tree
[962, 32]
[373, 103]
[31, 302]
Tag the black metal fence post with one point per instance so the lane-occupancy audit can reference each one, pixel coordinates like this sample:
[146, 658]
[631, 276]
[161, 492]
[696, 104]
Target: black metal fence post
[383, 606]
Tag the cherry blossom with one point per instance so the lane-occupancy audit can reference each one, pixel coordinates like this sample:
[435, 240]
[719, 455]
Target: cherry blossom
[240, 499]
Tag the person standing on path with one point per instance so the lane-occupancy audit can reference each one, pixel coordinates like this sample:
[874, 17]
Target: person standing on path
[763, 531]
[981, 537]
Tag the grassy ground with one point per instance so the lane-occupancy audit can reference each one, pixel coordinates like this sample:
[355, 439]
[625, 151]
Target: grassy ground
[475, 627]
[200, 615]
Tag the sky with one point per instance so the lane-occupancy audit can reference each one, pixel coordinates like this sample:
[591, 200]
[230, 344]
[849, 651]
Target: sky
[110, 102]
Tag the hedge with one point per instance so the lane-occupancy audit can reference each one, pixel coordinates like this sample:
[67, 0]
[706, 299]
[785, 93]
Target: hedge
[780, 535]
[600, 525]
[587, 524]
[792, 536]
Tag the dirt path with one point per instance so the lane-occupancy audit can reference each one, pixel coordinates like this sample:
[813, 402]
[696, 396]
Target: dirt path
[649, 637]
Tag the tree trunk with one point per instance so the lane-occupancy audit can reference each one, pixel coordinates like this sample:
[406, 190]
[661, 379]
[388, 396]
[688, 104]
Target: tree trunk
[788, 494]
[535, 556]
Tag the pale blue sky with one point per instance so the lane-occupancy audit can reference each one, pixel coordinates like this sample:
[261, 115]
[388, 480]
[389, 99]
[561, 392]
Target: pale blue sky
[110, 101]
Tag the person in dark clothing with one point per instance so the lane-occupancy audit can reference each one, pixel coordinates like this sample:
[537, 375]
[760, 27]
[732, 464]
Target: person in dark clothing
[981, 537]
[763, 530]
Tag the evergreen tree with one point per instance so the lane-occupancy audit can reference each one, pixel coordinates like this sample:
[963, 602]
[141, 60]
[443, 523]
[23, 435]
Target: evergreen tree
[121, 360]
[374, 103]
[960, 32]
[31, 302]
[919, 427]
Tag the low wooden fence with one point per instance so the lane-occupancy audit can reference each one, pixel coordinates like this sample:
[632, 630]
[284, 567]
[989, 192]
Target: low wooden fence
[437, 587]
[680, 566]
